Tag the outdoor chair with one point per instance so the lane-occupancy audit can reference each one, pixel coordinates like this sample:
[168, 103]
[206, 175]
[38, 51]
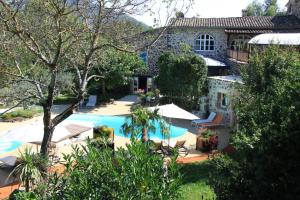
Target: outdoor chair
[158, 148]
[92, 101]
[199, 122]
[181, 148]
[8, 161]
[217, 121]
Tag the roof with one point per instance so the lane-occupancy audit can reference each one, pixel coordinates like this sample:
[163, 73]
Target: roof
[248, 22]
[261, 31]
[212, 62]
[277, 38]
[230, 78]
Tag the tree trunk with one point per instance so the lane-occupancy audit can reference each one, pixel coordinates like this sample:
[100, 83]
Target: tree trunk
[27, 185]
[103, 88]
[48, 130]
[144, 135]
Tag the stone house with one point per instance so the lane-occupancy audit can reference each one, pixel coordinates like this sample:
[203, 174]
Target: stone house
[223, 43]
[293, 7]
[222, 40]
[222, 90]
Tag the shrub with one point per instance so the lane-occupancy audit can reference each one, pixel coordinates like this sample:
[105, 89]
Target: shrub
[134, 173]
[27, 113]
[103, 131]
[150, 94]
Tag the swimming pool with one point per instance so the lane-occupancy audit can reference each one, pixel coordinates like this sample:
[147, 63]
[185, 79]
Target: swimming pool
[117, 121]
[9, 145]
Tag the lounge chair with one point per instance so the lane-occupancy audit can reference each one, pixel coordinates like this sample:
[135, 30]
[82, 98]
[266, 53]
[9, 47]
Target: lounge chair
[181, 148]
[157, 147]
[8, 161]
[92, 101]
[210, 118]
[216, 122]
[75, 131]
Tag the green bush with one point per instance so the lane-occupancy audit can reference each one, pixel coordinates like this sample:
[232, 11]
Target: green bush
[206, 134]
[27, 113]
[103, 131]
[150, 94]
[129, 174]
[22, 195]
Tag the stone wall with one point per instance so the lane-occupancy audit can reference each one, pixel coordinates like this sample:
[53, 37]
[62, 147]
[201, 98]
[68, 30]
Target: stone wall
[294, 7]
[226, 87]
[154, 52]
[174, 38]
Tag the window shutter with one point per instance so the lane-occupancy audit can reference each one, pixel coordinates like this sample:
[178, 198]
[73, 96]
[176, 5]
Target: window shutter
[219, 100]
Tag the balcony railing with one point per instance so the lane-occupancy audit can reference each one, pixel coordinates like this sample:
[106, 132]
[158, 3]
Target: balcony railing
[242, 56]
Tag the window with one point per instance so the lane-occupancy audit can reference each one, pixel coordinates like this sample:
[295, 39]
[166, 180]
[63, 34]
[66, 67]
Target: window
[240, 43]
[144, 56]
[223, 100]
[205, 43]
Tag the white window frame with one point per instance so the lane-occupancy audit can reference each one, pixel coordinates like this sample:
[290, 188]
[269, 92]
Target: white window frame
[203, 43]
[135, 84]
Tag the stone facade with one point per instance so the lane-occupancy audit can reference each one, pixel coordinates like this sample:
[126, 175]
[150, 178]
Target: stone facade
[155, 51]
[293, 7]
[223, 86]
[175, 37]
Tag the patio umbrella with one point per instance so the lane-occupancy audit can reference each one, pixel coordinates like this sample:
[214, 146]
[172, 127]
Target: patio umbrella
[173, 111]
[35, 132]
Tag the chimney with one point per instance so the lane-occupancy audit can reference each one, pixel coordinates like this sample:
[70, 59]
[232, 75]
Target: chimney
[179, 15]
[244, 13]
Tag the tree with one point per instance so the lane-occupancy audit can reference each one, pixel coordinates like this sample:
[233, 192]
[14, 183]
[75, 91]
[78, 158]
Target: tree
[141, 121]
[268, 114]
[187, 70]
[269, 8]
[115, 69]
[255, 8]
[64, 36]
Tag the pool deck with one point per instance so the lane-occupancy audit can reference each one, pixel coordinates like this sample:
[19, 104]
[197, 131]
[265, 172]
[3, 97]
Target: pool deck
[120, 107]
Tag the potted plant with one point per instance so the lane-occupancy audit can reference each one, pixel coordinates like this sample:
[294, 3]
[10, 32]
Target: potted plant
[206, 141]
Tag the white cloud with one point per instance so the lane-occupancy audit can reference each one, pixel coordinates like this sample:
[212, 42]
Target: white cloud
[213, 8]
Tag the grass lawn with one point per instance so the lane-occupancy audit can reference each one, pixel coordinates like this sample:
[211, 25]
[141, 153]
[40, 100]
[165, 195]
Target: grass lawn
[195, 182]
[64, 99]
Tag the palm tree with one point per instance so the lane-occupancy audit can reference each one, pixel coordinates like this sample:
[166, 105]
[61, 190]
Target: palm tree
[142, 120]
[29, 168]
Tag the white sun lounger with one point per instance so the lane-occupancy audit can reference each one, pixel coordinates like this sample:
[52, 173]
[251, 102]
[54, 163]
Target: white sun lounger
[8, 161]
[210, 118]
[92, 101]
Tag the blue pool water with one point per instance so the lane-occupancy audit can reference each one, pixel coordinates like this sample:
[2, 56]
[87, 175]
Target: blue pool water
[7, 145]
[117, 121]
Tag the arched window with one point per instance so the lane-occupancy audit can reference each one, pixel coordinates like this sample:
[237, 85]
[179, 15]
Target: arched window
[205, 43]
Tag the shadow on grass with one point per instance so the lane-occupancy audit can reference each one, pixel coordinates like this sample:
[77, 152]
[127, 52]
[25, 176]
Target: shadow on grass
[196, 172]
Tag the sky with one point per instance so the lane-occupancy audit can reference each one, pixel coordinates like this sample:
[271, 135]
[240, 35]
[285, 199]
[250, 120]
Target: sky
[212, 8]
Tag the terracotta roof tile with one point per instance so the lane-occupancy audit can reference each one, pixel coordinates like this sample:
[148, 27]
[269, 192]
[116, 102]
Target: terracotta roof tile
[263, 22]
[260, 31]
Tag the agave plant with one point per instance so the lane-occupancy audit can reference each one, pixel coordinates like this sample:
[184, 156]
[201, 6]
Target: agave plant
[142, 120]
[29, 168]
